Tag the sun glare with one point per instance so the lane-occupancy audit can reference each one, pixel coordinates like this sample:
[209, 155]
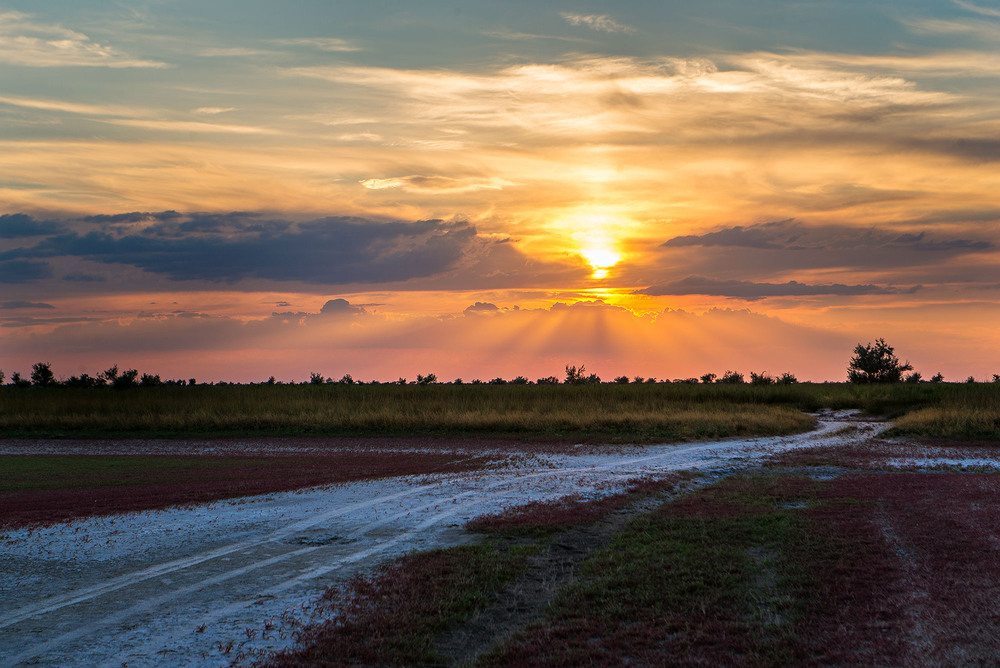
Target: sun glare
[600, 259]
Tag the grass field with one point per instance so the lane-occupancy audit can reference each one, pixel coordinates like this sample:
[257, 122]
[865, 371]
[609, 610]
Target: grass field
[865, 569]
[609, 412]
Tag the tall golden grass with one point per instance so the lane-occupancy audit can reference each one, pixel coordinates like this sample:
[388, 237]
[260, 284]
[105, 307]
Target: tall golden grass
[613, 412]
[638, 412]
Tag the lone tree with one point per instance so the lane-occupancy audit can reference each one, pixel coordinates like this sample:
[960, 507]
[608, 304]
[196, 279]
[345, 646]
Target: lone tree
[876, 363]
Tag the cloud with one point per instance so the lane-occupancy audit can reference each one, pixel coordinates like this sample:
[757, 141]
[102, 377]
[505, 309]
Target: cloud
[23, 271]
[17, 305]
[750, 291]
[26, 42]
[435, 184]
[15, 225]
[790, 235]
[482, 307]
[192, 126]
[232, 52]
[977, 9]
[321, 43]
[233, 247]
[340, 307]
[599, 22]
[213, 110]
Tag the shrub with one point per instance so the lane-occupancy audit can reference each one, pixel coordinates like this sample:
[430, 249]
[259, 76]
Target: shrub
[622, 380]
[548, 380]
[732, 378]
[708, 378]
[787, 379]
[762, 378]
[429, 379]
[520, 380]
[125, 380]
[937, 378]
[876, 363]
[914, 377]
[41, 374]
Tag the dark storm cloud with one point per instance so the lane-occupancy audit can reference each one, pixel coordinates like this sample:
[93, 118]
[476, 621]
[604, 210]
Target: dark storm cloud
[231, 247]
[16, 225]
[700, 285]
[15, 305]
[23, 271]
[790, 235]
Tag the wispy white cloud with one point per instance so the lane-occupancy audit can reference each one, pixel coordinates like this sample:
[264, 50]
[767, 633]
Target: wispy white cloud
[985, 30]
[233, 52]
[435, 184]
[213, 110]
[525, 36]
[322, 43]
[192, 126]
[26, 42]
[977, 9]
[599, 22]
[70, 107]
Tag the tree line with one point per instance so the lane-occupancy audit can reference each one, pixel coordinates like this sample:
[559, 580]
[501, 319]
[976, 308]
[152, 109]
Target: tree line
[872, 363]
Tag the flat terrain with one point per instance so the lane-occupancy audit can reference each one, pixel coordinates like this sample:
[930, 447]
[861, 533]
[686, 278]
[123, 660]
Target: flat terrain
[180, 584]
[210, 583]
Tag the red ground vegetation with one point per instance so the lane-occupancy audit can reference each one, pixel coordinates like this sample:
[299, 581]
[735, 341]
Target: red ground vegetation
[892, 569]
[392, 616]
[79, 486]
[538, 517]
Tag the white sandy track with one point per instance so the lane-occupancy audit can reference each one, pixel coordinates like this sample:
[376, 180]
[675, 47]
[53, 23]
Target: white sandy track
[178, 587]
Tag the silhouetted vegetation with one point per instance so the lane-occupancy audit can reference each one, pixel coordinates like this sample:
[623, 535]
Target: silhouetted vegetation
[876, 363]
[581, 405]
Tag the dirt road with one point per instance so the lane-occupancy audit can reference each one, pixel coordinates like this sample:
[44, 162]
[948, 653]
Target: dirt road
[199, 586]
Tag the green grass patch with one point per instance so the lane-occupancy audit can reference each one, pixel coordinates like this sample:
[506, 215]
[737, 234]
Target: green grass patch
[738, 574]
[392, 618]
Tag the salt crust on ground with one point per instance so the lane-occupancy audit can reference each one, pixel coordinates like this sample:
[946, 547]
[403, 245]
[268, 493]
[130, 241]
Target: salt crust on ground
[202, 585]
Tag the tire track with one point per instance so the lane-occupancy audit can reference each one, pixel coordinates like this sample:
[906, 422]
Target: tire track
[697, 455]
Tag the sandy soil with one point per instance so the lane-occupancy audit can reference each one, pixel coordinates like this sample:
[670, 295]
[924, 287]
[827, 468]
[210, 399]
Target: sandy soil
[200, 586]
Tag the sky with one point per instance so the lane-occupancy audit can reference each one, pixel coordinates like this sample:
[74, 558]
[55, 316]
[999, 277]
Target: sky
[231, 190]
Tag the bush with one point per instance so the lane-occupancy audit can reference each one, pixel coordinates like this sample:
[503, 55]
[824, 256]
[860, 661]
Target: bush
[732, 378]
[762, 378]
[876, 363]
[708, 378]
[41, 374]
[126, 380]
[787, 379]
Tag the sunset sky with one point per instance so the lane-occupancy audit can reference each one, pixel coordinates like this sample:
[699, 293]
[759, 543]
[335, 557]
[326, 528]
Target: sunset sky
[230, 190]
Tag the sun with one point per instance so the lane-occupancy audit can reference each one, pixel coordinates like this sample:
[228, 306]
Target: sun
[600, 259]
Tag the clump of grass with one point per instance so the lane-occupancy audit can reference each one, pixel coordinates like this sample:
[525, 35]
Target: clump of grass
[966, 422]
[393, 616]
